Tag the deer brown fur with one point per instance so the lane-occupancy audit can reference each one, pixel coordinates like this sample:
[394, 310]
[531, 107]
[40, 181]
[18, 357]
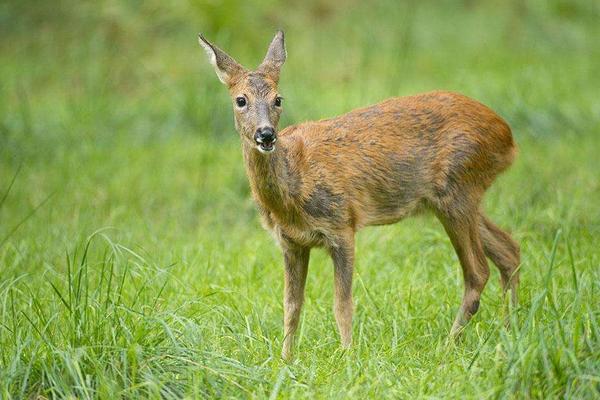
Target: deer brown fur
[317, 183]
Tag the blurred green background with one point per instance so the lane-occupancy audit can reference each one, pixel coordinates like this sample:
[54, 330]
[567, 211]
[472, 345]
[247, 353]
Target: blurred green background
[112, 120]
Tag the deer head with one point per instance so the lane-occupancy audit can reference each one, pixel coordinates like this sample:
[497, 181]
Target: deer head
[257, 104]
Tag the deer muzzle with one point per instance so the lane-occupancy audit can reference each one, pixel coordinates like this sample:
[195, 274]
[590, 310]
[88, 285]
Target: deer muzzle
[265, 139]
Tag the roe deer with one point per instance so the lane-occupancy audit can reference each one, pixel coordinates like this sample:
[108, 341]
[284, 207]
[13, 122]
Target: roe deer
[317, 183]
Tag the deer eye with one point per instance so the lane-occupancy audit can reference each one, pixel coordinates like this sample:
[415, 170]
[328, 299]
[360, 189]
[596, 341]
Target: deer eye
[240, 101]
[278, 101]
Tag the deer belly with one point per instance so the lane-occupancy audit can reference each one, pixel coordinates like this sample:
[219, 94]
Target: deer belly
[382, 200]
[389, 211]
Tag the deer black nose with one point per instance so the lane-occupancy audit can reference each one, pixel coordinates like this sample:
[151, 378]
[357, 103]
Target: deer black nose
[265, 135]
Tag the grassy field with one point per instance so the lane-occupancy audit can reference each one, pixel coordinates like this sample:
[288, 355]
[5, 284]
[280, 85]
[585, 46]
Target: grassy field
[132, 262]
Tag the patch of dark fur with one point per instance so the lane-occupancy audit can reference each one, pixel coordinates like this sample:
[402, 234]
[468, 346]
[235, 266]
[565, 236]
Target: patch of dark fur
[474, 307]
[371, 112]
[435, 122]
[395, 185]
[341, 262]
[286, 238]
[323, 203]
[339, 255]
[294, 180]
[341, 123]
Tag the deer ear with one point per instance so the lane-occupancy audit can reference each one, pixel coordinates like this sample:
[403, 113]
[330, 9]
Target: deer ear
[275, 57]
[226, 67]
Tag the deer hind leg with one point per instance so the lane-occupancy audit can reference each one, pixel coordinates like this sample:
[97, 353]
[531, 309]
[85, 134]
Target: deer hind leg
[463, 231]
[504, 253]
[296, 267]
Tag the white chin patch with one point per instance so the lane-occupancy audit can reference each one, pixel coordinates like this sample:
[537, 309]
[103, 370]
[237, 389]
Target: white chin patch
[266, 150]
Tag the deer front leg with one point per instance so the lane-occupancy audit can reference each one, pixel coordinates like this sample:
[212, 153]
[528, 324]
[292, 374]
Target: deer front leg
[342, 254]
[296, 266]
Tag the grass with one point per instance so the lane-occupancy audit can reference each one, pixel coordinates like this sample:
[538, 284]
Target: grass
[132, 263]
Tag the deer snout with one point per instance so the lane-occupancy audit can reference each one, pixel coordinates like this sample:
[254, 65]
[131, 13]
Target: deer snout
[265, 135]
[265, 139]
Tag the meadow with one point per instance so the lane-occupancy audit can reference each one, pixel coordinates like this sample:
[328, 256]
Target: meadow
[132, 260]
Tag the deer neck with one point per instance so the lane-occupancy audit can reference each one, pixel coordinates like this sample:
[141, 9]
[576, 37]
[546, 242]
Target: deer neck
[269, 180]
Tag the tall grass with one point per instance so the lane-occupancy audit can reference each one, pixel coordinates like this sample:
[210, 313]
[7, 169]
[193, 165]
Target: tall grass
[132, 263]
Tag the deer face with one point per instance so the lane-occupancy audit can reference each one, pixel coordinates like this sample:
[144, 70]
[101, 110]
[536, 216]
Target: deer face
[257, 104]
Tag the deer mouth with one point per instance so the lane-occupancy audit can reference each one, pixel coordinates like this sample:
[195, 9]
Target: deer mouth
[264, 146]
